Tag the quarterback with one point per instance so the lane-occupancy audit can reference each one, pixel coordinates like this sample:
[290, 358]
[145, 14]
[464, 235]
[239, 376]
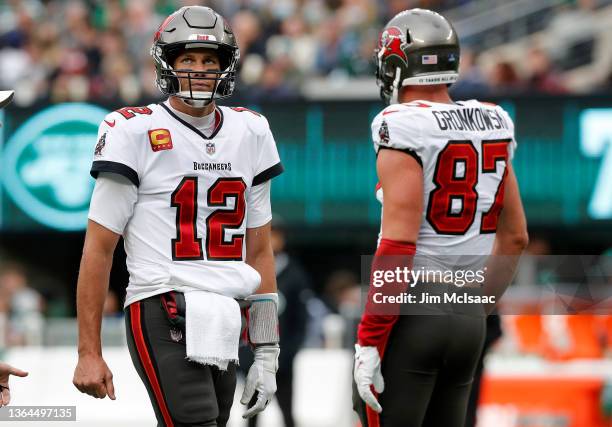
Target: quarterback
[448, 189]
[187, 184]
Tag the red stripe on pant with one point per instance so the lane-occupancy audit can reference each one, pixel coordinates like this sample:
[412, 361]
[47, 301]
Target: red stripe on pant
[373, 416]
[145, 359]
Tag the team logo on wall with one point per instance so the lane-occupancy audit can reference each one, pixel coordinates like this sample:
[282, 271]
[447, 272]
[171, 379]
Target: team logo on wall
[210, 147]
[160, 139]
[46, 164]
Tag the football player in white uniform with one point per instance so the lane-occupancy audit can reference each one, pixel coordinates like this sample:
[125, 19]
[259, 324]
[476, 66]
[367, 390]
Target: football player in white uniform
[448, 189]
[187, 185]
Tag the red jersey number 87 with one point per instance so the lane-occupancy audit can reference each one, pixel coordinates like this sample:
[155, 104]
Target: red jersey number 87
[452, 204]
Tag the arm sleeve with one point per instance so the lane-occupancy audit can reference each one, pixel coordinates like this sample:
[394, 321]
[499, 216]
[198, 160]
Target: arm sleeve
[268, 162]
[116, 151]
[259, 210]
[112, 202]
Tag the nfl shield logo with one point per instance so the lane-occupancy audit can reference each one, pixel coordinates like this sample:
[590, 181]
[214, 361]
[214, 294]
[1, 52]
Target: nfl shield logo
[210, 148]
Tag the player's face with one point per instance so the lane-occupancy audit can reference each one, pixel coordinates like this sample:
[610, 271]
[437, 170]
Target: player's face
[198, 61]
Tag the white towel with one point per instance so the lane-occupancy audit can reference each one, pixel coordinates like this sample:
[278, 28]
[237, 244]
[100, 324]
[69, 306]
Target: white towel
[212, 328]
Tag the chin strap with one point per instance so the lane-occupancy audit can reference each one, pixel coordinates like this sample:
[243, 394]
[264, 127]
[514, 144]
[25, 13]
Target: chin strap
[263, 319]
[196, 103]
[395, 89]
[203, 98]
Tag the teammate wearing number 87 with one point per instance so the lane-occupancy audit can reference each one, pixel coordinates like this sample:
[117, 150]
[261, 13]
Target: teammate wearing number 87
[448, 189]
[187, 185]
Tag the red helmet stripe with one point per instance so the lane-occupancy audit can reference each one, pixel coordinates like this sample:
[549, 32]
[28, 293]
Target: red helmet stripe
[163, 26]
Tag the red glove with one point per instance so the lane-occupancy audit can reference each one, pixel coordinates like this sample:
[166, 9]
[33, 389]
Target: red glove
[374, 328]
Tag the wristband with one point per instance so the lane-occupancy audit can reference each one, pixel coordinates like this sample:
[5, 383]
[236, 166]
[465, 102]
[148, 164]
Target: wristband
[263, 319]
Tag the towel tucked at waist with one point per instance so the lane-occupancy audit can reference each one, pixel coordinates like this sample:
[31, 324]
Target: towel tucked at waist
[212, 328]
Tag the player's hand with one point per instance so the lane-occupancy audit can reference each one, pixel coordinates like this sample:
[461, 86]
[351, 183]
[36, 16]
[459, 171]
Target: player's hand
[5, 372]
[367, 373]
[92, 376]
[261, 379]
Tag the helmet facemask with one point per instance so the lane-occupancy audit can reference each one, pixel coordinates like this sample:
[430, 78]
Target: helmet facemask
[169, 79]
[195, 27]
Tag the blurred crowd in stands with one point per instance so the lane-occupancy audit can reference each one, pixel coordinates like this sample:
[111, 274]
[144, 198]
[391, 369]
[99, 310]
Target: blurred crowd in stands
[21, 308]
[75, 50]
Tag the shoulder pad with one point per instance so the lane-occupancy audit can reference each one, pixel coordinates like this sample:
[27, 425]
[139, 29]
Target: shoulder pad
[400, 110]
[129, 117]
[257, 122]
[505, 114]
[417, 104]
[129, 113]
[391, 128]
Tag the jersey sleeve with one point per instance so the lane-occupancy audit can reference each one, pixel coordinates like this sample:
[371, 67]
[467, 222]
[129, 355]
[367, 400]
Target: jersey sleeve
[115, 150]
[268, 163]
[397, 130]
[112, 202]
[259, 210]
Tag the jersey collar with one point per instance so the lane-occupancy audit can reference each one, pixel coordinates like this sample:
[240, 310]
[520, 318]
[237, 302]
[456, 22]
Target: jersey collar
[217, 127]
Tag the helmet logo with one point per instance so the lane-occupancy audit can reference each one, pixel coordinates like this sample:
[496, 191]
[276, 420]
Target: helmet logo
[202, 37]
[392, 42]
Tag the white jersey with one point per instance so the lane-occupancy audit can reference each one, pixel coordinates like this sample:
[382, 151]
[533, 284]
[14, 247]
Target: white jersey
[463, 149]
[188, 226]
